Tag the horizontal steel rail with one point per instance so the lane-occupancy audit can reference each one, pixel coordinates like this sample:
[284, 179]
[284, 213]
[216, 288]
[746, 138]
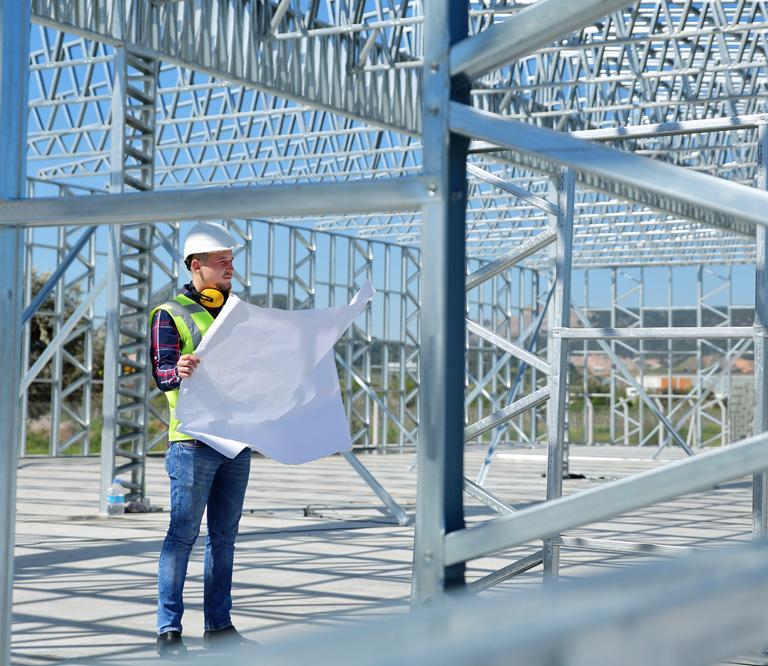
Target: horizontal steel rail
[612, 546]
[216, 203]
[522, 34]
[701, 608]
[677, 128]
[653, 130]
[656, 333]
[611, 499]
[664, 187]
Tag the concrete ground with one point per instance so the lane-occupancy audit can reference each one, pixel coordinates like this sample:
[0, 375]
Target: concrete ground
[315, 548]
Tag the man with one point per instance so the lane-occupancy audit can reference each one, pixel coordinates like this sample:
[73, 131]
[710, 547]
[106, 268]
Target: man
[200, 476]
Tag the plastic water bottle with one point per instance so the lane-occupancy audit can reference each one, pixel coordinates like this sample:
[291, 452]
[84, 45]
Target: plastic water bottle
[115, 499]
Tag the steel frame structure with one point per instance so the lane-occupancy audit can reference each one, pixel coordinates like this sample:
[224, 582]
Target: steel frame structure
[61, 365]
[465, 129]
[707, 364]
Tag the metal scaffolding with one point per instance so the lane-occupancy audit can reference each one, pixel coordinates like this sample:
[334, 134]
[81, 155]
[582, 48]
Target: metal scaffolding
[472, 159]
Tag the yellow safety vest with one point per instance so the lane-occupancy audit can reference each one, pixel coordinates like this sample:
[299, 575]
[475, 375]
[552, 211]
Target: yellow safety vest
[192, 321]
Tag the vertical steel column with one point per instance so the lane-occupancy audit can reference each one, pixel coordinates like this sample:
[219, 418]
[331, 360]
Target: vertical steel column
[560, 314]
[14, 62]
[696, 420]
[440, 505]
[410, 341]
[613, 435]
[302, 253]
[670, 345]
[57, 363]
[26, 337]
[587, 415]
[109, 429]
[111, 365]
[641, 406]
[132, 169]
[381, 427]
[243, 256]
[536, 303]
[358, 345]
[760, 480]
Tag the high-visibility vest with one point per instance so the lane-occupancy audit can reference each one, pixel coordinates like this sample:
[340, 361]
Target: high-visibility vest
[192, 321]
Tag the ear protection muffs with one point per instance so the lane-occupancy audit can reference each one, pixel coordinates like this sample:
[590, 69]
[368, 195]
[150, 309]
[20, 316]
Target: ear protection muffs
[211, 298]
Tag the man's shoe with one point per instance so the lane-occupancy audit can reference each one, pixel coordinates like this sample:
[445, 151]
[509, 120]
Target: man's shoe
[226, 639]
[170, 646]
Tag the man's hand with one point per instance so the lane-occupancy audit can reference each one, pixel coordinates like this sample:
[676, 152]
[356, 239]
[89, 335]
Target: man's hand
[187, 365]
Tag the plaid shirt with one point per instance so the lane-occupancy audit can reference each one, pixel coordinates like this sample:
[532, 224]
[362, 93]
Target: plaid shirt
[165, 344]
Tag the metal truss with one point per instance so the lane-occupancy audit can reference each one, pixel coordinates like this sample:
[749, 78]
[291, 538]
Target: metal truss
[349, 57]
[655, 61]
[357, 352]
[131, 257]
[659, 62]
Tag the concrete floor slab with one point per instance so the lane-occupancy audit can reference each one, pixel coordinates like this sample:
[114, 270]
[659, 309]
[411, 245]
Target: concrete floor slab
[316, 548]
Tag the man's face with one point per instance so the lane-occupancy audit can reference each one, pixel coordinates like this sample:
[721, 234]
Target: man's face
[215, 270]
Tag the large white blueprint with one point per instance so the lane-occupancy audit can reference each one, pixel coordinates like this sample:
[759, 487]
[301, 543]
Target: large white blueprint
[267, 380]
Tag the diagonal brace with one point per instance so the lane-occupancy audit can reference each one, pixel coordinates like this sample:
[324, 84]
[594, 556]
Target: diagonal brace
[506, 413]
[394, 509]
[522, 251]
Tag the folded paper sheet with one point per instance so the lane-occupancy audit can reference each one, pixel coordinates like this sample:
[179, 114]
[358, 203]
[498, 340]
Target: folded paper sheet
[267, 380]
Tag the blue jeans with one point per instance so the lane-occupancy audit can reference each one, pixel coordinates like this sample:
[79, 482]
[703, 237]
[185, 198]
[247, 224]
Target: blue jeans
[201, 476]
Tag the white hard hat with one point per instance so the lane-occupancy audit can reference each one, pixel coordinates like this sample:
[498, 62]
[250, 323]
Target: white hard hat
[208, 237]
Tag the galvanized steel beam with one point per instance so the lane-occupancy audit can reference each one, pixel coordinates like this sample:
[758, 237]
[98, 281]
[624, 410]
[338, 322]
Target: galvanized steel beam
[760, 425]
[487, 498]
[14, 61]
[520, 35]
[402, 194]
[563, 189]
[611, 499]
[663, 187]
[657, 333]
[697, 609]
[440, 448]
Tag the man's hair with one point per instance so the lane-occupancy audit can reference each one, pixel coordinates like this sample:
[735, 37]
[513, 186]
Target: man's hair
[200, 256]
